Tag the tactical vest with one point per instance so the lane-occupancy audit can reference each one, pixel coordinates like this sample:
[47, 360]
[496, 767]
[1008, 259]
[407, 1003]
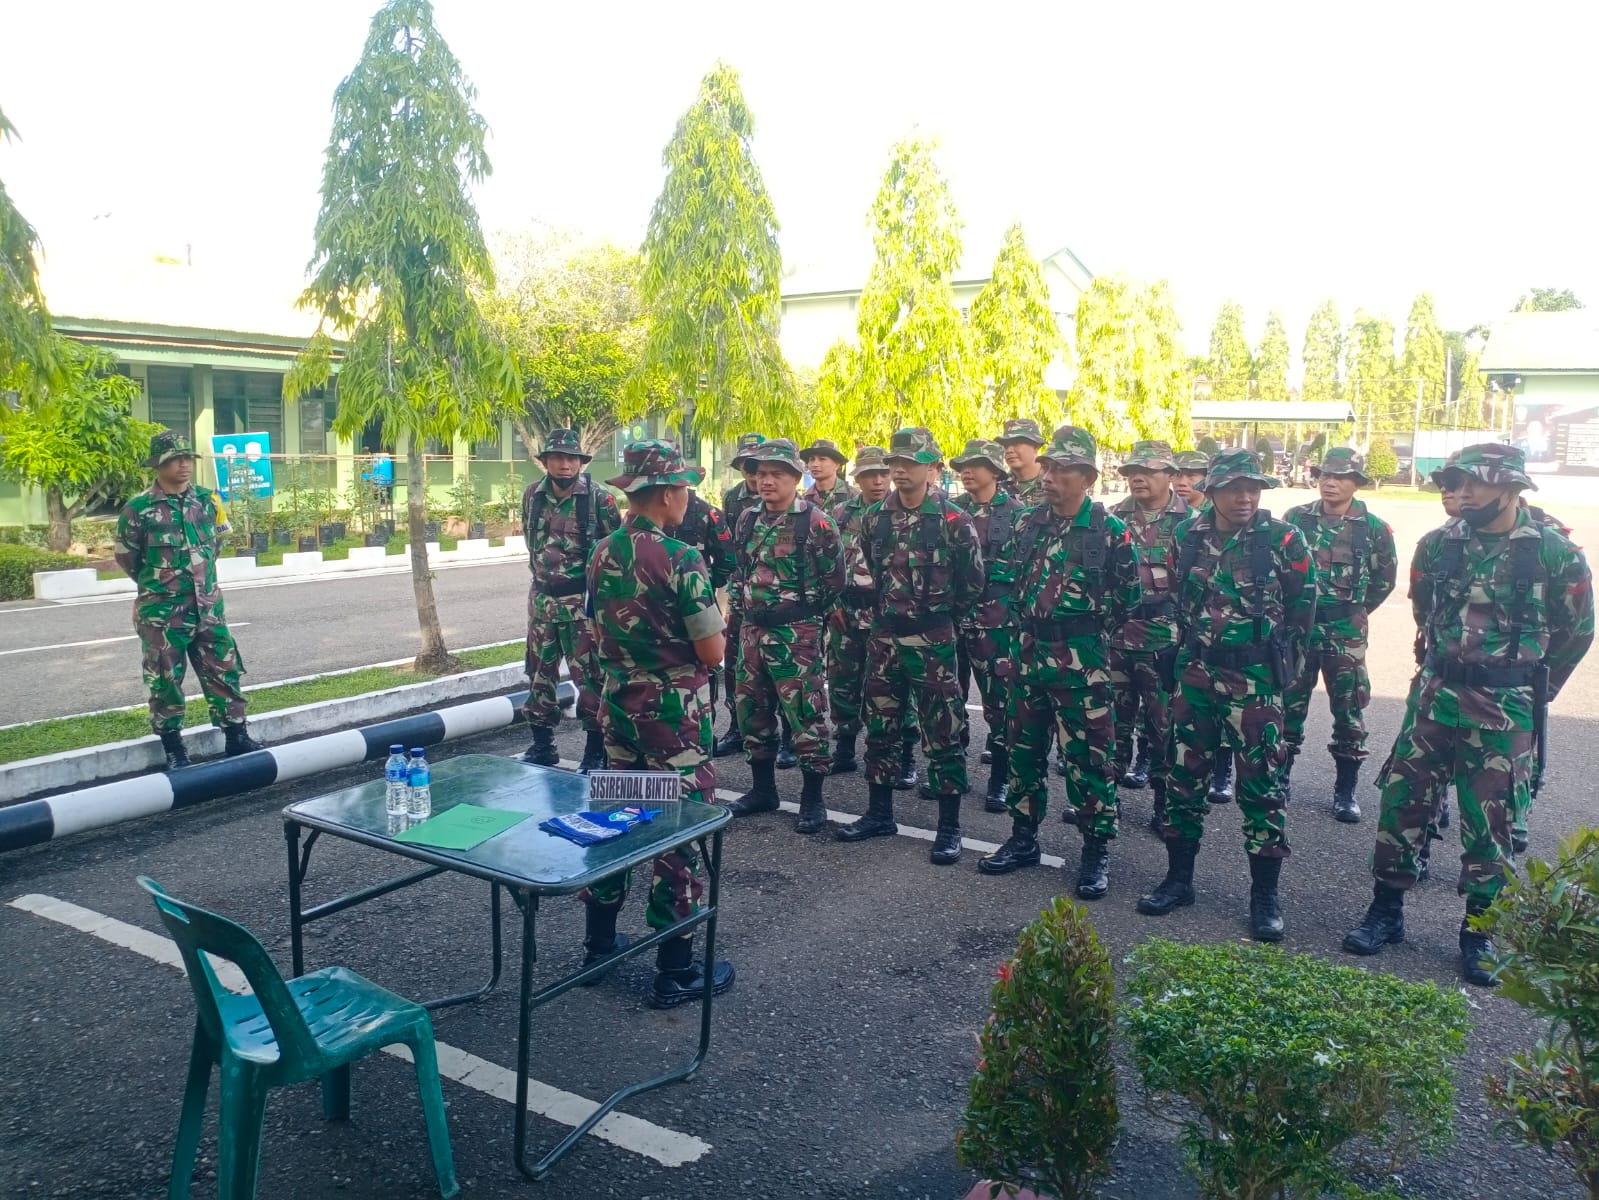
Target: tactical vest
[696, 525]
[1360, 534]
[1446, 594]
[1260, 565]
[1089, 547]
[1001, 519]
[585, 532]
[799, 529]
[931, 529]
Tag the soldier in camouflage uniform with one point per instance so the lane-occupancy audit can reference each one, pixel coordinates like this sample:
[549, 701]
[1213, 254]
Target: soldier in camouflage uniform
[826, 463]
[1192, 467]
[1074, 578]
[791, 562]
[563, 516]
[658, 636]
[167, 542]
[1508, 606]
[988, 633]
[1356, 565]
[1023, 440]
[1246, 603]
[850, 624]
[737, 498]
[1143, 651]
[923, 556]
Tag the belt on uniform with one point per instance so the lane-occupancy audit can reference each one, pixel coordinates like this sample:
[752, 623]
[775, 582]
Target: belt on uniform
[1156, 606]
[909, 626]
[1059, 628]
[781, 614]
[1483, 675]
[860, 597]
[1338, 611]
[1252, 654]
[563, 587]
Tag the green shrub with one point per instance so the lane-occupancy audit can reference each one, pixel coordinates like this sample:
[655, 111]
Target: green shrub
[1209, 445]
[1279, 1067]
[1546, 927]
[24, 535]
[18, 563]
[1043, 1101]
[1381, 461]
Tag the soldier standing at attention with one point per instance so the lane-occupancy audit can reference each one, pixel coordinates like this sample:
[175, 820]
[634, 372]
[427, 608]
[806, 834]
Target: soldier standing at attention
[1356, 565]
[988, 633]
[826, 462]
[740, 496]
[1074, 578]
[923, 556]
[850, 623]
[563, 516]
[1508, 608]
[1143, 652]
[792, 566]
[658, 634]
[1246, 603]
[1023, 440]
[167, 542]
[1192, 467]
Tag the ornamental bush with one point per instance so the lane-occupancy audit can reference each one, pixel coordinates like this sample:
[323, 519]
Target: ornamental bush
[18, 563]
[1042, 1110]
[1381, 460]
[1283, 1071]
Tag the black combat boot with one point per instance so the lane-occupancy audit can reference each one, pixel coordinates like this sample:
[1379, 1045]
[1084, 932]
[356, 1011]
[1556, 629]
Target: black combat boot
[731, 742]
[1519, 841]
[1345, 807]
[762, 796]
[1157, 815]
[1477, 957]
[1265, 911]
[1443, 810]
[1424, 859]
[1384, 922]
[1177, 889]
[879, 818]
[542, 752]
[906, 779]
[812, 813]
[600, 939]
[236, 740]
[593, 753]
[787, 760]
[1137, 775]
[1093, 869]
[844, 760]
[1285, 778]
[1019, 850]
[947, 841]
[1221, 779]
[172, 747]
[1060, 762]
[679, 979]
[994, 797]
[989, 746]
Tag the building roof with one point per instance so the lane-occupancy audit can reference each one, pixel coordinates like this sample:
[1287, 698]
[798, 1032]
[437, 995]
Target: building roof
[1325, 412]
[148, 342]
[1531, 342]
[807, 281]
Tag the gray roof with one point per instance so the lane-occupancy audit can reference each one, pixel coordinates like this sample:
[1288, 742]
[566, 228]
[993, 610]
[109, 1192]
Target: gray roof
[1529, 342]
[1327, 412]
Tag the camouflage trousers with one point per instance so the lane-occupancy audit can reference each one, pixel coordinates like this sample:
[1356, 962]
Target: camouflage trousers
[1137, 682]
[1212, 714]
[1491, 770]
[674, 736]
[1343, 667]
[780, 673]
[548, 642]
[915, 673]
[847, 640]
[734, 631]
[1084, 719]
[992, 656]
[169, 648]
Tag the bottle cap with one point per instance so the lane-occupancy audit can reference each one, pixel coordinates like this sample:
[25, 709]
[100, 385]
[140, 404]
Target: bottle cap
[416, 749]
[397, 749]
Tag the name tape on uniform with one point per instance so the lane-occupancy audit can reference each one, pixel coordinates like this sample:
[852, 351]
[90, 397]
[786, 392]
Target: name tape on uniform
[635, 787]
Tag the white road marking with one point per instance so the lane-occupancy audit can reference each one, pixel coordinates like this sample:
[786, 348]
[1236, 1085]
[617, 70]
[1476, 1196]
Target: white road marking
[94, 642]
[666, 1146]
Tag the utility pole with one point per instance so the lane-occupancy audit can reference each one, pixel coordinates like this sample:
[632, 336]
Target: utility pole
[1415, 441]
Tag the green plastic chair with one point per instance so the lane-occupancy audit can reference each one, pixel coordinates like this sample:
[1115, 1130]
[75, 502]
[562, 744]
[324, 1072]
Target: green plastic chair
[286, 1032]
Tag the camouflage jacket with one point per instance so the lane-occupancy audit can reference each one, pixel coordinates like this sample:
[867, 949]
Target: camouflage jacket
[841, 491]
[1029, 494]
[734, 501]
[1463, 593]
[167, 544]
[558, 544]
[705, 529]
[995, 522]
[1153, 626]
[651, 600]
[1355, 571]
[781, 586]
[925, 563]
[1057, 587]
[1217, 598]
[859, 597]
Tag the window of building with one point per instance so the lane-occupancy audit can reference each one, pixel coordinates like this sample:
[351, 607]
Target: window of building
[171, 399]
[519, 451]
[317, 410]
[488, 448]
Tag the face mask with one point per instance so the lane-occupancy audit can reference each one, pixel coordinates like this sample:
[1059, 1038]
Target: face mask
[1478, 517]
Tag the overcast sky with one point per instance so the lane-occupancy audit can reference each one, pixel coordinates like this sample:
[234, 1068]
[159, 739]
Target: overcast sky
[1275, 153]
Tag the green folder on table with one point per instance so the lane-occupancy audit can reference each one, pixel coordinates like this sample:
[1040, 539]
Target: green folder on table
[461, 827]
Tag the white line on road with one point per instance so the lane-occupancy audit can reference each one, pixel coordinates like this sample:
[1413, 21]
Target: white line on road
[666, 1146]
[94, 642]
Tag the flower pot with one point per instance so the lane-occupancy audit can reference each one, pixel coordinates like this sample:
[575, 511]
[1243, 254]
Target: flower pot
[259, 542]
[283, 537]
[325, 535]
[376, 538]
[307, 544]
[244, 552]
[339, 530]
[386, 528]
[479, 530]
[431, 530]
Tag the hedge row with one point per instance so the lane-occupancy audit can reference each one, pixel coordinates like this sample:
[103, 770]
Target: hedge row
[18, 563]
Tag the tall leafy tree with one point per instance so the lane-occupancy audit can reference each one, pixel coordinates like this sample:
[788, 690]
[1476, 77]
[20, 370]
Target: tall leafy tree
[399, 263]
[1369, 376]
[1271, 360]
[1132, 379]
[1229, 354]
[1017, 336]
[1548, 300]
[27, 351]
[916, 356]
[839, 406]
[1324, 346]
[1424, 360]
[713, 273]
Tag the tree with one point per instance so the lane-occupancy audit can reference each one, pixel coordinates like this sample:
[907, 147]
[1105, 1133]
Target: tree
[917, 365]
[1017, 336]
[398, 263]
[1271, 360]
[78, 442]
[1369, 374]
[27, 349]
[1424, 360]
[1324, 346]
[712, 276]
[1381, 461]
[1132, 379]
[1229, 355]
[1548, 300]
[837, 406]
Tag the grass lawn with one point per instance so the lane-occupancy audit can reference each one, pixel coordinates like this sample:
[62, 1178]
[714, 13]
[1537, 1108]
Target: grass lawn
[75, 733]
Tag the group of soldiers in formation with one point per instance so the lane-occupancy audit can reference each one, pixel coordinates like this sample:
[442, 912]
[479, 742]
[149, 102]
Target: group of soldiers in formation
[1159, 643]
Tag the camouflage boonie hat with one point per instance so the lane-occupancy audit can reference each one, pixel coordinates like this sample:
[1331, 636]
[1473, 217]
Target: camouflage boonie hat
[167, 445]
[1073, 447]
[1189, 461]
[1149, 456]
[914, 444]
[564, 441]
[746, 443]
[1341, 460]
[823, 446]
[1022, 429]
[869, 459]
[1232, 465]
[1495, 464]
[780, 451]
[982, 452]
[646, 464]
[1439, 474]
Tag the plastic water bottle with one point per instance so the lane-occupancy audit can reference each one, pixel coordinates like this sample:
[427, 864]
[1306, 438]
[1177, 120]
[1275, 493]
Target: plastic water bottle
[419, 803]
[397, 780]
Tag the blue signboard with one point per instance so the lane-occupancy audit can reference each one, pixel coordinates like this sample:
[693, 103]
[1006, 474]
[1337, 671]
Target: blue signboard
[241, 462]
